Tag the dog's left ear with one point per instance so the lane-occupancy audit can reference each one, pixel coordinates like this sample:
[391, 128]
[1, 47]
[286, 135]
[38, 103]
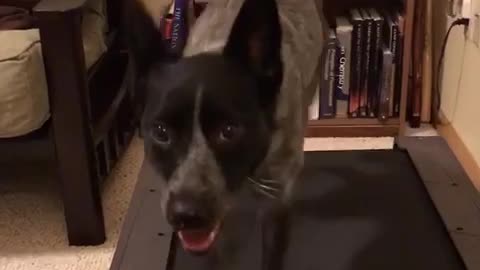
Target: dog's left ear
[255, 43]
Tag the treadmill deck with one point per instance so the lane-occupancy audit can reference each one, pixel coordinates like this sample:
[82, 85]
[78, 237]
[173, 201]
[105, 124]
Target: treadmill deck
[388, 209]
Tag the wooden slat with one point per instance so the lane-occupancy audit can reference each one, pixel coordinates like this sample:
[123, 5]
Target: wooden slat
[407, 56]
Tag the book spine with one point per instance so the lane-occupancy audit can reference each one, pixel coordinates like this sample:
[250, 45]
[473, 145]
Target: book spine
[314, 108]
[344, 63]
[355, 69]
[327, 90]
[375, 68]
[394, 48]
[179, 27]
[399, 71]
[366, 51]
[341, 82]
[385, 84]
[167, 27]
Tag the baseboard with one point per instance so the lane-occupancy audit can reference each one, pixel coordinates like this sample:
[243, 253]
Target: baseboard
[443, 118]
[462, 153]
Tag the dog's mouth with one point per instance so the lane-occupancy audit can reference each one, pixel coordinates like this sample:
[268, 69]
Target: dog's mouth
[198, 240]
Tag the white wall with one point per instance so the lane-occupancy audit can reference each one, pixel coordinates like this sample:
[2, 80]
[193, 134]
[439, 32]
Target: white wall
[460, 81]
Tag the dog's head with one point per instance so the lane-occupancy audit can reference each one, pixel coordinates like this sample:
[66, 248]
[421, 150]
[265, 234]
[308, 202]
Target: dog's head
[208, 122]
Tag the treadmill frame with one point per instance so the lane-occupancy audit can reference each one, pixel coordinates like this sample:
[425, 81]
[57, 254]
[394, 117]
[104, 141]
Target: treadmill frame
[451, 190]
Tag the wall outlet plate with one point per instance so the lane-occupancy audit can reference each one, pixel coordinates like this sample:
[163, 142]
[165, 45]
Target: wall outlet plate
[466, 9]
[453, 9]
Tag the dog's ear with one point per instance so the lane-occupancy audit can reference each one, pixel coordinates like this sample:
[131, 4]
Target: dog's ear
[146, 48]
[255, 43]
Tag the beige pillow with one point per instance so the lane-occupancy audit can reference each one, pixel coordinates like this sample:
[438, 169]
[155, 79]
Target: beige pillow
[24, 103]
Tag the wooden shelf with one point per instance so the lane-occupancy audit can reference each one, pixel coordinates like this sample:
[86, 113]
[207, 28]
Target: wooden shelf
[365, 127]
[353, 122]
[352, 128]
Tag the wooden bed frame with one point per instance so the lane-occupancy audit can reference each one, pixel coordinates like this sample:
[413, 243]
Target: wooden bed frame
[92, 118]
[145, 242]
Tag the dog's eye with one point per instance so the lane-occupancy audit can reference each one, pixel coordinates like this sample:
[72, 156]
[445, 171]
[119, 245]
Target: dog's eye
[161, 134]
[229, 133]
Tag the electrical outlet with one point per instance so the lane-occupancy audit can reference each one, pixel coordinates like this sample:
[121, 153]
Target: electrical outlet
[466, 9]
[454, 8]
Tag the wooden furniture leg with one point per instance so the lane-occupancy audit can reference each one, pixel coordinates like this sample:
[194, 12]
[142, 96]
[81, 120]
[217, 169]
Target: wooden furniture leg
[61, 35]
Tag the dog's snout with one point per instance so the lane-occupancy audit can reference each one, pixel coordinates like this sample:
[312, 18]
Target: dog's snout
[188, 213]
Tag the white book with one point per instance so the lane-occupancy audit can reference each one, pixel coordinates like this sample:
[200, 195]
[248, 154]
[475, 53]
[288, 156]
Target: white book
[314, 108]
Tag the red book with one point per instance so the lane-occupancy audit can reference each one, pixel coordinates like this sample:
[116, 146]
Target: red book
[167, 27]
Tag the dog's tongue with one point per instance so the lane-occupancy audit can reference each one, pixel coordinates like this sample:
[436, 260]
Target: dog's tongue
[197, 240]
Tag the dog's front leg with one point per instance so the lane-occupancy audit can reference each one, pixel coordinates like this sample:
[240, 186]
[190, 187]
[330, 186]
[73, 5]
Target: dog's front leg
[275, 236]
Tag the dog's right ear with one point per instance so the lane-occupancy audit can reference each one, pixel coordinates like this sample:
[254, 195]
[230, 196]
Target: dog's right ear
[143, 34]
[255, 43]
[145, 45]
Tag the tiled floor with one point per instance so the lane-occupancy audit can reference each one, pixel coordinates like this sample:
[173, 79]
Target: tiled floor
[32, 233]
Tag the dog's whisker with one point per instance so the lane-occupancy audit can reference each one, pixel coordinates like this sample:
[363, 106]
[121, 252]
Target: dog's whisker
[263, 180]
[266, 190]
[271, 183]
[262, 185]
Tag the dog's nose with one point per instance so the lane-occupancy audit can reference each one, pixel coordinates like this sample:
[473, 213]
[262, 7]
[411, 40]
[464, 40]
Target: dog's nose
[188, 213]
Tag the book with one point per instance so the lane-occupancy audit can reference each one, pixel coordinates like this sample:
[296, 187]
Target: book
[377, 38]
[166, 27]
[356, 63]
[391, 38]
[344, 36]
[327, 87]
[366, 61]
[179, 27]
[400, 21]
[314, 108]
[386, 80]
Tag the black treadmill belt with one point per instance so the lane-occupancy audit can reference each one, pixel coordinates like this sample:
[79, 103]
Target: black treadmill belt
[357, 210]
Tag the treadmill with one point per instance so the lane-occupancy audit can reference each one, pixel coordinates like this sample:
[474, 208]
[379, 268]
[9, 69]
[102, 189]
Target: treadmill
[412, 207]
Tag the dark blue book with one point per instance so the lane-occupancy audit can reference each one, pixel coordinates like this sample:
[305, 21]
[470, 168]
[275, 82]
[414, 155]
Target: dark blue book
[377, 42]
[356, 64]
[366, 61]
[179, 33]
[344, 35]
[328, 78]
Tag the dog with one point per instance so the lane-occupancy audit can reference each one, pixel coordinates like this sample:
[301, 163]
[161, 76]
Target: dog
[230, 113]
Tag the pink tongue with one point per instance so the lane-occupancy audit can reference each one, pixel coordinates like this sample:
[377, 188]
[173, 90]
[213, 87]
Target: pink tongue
[196, 237]
[196, 240]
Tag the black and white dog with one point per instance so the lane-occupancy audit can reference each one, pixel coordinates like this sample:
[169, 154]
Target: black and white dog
[230, 113]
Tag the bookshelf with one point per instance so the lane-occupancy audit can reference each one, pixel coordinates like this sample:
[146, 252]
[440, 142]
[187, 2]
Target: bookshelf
[370, 127]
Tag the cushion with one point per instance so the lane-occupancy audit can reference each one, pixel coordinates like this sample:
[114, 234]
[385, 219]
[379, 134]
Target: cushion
[28, 4]
[15, 18]
[24, 103]
[23, 87]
